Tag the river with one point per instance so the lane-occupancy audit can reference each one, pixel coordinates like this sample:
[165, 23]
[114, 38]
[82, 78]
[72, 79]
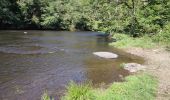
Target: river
[36, 61]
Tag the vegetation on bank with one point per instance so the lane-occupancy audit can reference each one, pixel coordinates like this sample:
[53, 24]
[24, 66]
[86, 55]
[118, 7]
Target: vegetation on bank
[141, 20]
[126, 41]
[134, 17]
[135, 87]
[162, 39]
[139, 23]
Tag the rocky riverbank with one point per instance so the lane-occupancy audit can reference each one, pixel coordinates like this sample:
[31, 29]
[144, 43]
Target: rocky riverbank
[158, 64]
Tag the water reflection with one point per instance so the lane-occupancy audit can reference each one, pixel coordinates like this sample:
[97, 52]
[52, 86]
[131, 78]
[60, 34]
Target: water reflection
[47, 60]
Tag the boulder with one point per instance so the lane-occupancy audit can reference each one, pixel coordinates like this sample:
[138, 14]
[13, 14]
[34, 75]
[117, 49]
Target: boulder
[108, 55]
[133, 67]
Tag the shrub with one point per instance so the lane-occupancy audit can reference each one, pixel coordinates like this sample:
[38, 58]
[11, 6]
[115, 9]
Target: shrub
[163, 36]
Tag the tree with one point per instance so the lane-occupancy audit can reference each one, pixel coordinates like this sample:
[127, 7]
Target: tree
[9, 13]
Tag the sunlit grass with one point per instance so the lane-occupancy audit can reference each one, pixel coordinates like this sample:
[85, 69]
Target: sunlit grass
[137, 87]
[125, 41]
[45, 96]
[79, 92]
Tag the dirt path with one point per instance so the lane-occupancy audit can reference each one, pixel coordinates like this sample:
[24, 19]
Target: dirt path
[157, 63]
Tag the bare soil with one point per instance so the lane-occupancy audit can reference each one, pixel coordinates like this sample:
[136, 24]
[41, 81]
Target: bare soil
[158, 64]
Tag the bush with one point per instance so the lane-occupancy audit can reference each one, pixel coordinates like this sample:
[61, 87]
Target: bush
[163, 36]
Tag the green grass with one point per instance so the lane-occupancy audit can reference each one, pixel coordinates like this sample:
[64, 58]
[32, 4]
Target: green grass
[45, 96]
[79, 92]
[137, 87]
[125, 41]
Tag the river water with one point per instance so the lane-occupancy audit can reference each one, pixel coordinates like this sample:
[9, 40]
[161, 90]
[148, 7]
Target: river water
[38, 61]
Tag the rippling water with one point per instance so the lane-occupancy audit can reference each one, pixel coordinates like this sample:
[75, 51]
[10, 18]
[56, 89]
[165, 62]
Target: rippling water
[38, 61]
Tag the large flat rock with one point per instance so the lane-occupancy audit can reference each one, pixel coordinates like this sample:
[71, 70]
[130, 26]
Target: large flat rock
[108, 55]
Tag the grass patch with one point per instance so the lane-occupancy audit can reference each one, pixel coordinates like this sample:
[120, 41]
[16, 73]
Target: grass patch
[137, 87]
[45, 96]
[125, 41]
[79, 92]
[161, 38]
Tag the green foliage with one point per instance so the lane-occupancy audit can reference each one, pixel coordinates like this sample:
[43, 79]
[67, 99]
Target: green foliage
[9, 13]
[134, 17]
[138, 87]
[31, 12]
[125, 41]
[163, 36]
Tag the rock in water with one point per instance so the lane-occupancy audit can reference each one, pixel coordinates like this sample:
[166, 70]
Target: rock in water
[25, 32]
[133, 67]
[108, 55]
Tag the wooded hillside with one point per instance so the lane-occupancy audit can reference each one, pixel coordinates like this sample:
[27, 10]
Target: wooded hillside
[135, 17]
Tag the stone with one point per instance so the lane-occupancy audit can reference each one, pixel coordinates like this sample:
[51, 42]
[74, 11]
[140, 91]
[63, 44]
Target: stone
[133, 67]
[107, 55]
[25, 32]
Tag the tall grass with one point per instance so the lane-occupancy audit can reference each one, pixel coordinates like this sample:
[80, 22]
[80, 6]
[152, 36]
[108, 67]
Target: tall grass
[45, 96]
[125, 41]
[79, 92]
[138, 87]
